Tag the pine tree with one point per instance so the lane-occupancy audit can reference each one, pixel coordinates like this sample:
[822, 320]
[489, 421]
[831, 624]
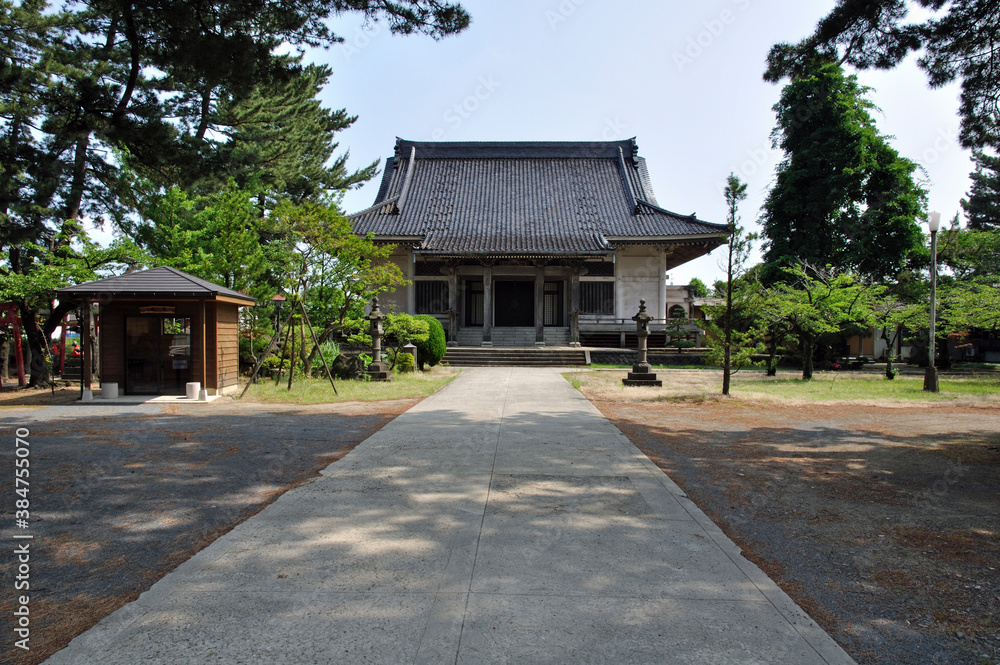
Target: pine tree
[99, 95]
[282, 138]
[982, 208]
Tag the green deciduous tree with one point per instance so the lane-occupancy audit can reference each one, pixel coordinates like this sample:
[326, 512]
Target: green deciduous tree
[960, 41]
[223, 237]
[698, 288]
[813, 302]
[842, 196]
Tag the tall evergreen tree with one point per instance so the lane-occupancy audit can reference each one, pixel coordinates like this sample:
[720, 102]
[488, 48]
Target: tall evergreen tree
[106, 89]
[960, 41]
[982, 208]
[282, 138]
[843, 196]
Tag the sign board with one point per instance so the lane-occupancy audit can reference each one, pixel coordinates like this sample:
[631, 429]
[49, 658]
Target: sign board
[157, 309]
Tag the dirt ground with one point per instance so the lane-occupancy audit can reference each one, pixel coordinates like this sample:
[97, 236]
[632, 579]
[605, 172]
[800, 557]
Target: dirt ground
[120, 495]
[883, 522]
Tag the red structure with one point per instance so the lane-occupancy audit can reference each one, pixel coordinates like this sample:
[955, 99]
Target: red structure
[9, 316]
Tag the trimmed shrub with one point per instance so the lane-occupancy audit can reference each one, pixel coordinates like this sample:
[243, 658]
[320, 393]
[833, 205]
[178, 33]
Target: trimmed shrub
[432, 350]
[404, 361]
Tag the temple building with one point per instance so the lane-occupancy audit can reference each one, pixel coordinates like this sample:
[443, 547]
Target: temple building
[531, 243]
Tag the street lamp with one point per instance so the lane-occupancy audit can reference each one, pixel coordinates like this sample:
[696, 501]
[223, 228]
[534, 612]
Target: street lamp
[930, 376]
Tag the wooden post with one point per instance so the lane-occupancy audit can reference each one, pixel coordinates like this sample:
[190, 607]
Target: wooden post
[204, 349]
[539, 303]
[488, 303]
[85, 369]
[329, 374]
[62, 347]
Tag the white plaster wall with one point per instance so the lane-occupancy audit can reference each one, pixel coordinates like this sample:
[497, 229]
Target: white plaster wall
[400, 300]
[639, 271]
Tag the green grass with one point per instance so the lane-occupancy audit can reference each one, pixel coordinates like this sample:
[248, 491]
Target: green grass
[317, 391]
[835, 386]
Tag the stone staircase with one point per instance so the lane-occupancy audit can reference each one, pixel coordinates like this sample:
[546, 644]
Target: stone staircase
[73, 369]
[513, 337]
[499, 356]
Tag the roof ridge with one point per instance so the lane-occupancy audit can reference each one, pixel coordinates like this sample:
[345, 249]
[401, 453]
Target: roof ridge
[693, 216]
[632, 198]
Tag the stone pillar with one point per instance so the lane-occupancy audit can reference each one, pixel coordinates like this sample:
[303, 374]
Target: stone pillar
[539, 303]
[487, 303]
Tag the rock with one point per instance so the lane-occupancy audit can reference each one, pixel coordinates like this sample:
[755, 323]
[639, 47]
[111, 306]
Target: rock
[348, 367]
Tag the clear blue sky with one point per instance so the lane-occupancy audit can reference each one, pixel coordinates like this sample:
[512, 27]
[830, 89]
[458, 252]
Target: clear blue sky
[684, 78]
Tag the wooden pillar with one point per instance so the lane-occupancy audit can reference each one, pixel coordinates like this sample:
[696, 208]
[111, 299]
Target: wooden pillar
[574, 304]
[452, 303]
[204, 350]
[539, 303]
[487, 303]
[85, 369]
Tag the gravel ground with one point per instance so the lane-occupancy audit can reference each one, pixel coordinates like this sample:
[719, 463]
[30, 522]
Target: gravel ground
[120, 495]
[883, 523]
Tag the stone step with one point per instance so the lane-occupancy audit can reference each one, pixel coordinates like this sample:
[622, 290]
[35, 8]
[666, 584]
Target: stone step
[514, 357]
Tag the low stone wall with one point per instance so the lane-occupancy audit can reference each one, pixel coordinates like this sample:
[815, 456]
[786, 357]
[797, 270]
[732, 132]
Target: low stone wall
[628, 357]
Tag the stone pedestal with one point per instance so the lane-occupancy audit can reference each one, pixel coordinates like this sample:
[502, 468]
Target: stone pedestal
[641, 376]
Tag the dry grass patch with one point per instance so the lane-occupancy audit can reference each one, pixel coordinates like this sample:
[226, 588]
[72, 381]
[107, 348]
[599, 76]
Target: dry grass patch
[787, 388]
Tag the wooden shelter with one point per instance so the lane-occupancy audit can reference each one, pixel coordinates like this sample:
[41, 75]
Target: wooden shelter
[163, 328]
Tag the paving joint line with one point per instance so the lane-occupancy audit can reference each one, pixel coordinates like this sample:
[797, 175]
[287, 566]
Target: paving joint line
[486, 505]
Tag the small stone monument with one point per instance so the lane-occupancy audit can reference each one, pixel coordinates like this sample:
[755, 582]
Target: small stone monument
[377, 371]
[640, 374]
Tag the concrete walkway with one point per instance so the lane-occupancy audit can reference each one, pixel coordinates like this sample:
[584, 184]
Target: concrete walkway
[503, 520]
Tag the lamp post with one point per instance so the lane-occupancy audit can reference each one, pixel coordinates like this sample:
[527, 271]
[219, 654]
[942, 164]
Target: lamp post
[930, 376]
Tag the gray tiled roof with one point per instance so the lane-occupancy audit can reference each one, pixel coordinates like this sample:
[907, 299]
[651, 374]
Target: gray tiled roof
[163, 281]
[522, 198]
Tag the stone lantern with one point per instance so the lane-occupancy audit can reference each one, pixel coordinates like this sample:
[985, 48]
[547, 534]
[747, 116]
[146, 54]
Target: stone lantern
[377, 370]
[640, 374]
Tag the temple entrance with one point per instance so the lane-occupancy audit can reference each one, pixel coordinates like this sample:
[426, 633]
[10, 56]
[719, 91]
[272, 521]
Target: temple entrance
[157, 354]
[515, 304]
